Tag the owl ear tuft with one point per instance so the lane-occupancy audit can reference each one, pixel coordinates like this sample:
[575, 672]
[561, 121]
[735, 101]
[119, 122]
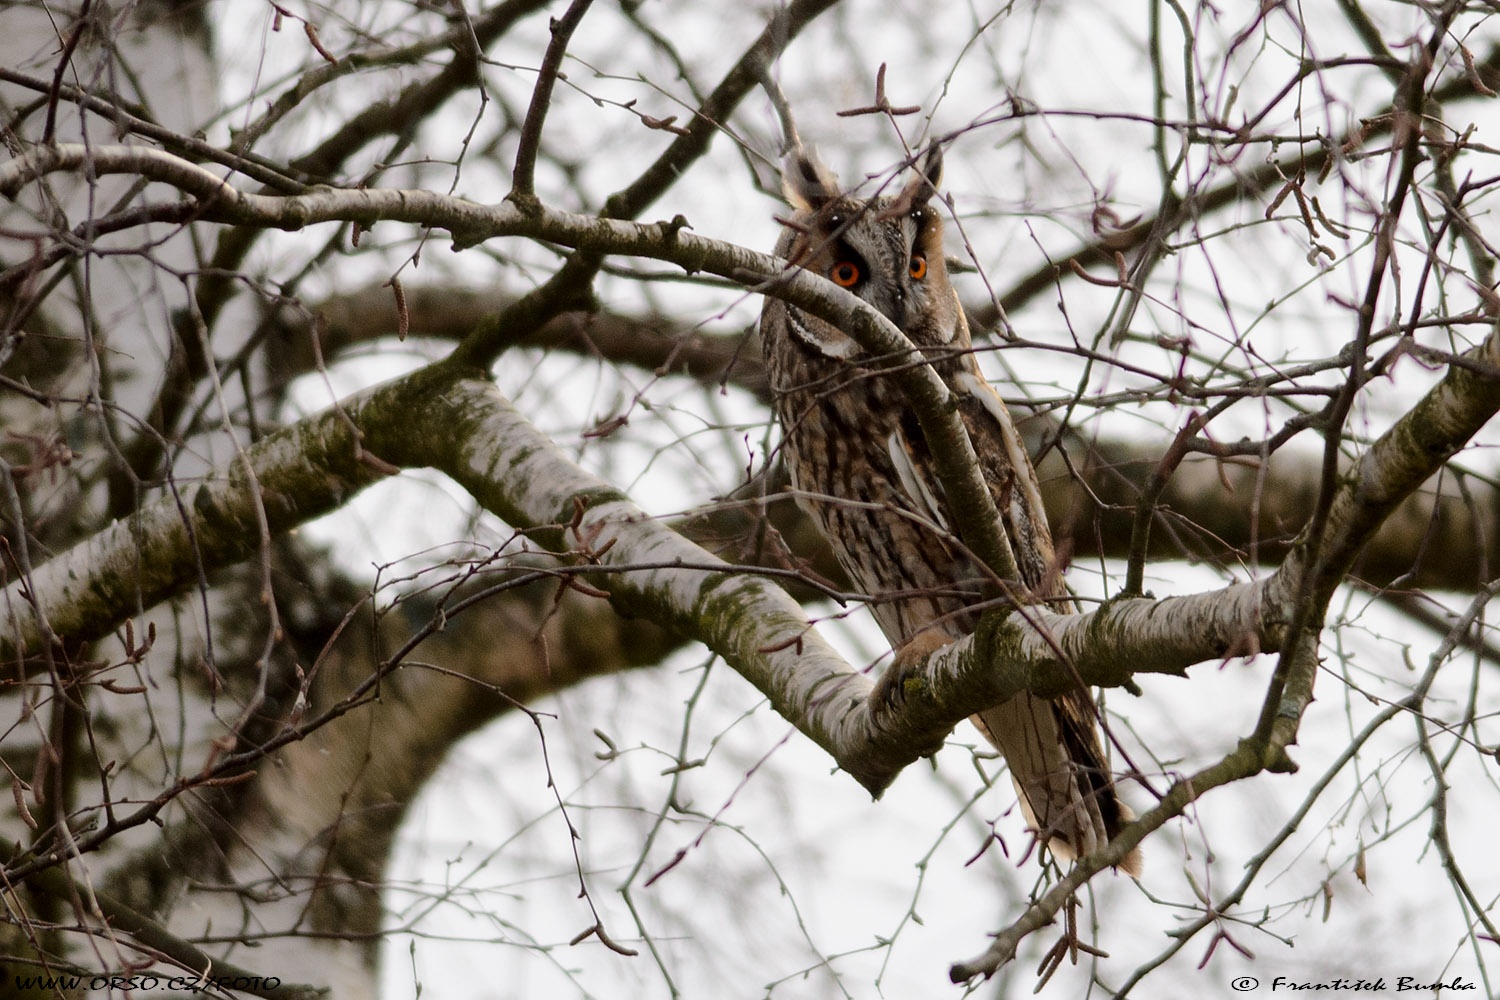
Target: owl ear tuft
[806, 183]
[929, 177]
[920, 189]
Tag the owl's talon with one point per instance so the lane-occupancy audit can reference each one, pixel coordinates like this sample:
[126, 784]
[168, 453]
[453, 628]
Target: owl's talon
[919, 648]
[900, 683]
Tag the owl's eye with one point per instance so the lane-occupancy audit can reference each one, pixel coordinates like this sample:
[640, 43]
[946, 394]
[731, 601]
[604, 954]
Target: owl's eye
[917, 268]
[845, 273]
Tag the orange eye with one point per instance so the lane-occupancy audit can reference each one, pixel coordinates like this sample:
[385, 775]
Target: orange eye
[918, 266]
[844, 274]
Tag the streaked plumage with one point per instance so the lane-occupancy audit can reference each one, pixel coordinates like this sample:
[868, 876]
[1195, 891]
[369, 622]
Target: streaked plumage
[849, 436]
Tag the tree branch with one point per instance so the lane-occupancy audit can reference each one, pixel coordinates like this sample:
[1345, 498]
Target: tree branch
[121, 917]
[461, 425]
[968, 496]
[523, 176]
[1394, 467]
[1434, 539]
[290, 477]
[1244, 186]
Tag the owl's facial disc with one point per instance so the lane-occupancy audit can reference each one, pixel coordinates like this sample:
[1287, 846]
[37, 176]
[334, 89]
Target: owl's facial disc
[886, 250]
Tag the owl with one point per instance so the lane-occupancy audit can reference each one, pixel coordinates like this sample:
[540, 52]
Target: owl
[862, 469]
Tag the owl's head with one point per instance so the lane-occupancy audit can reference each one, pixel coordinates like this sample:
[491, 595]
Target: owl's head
[888, 250]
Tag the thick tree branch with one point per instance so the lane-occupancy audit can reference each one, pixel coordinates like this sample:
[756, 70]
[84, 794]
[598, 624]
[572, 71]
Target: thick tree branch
[288, 478]
[968, 496]
[1393, 468]
[473, 434]
[462, 426]
[1436, 538]
[1047, 653]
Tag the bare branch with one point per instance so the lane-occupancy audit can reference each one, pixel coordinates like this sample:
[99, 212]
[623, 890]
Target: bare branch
[523, 178]
[123, 918]
[980, 525]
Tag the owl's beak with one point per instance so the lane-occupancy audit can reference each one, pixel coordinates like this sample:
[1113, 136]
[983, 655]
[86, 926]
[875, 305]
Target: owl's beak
[896, 312]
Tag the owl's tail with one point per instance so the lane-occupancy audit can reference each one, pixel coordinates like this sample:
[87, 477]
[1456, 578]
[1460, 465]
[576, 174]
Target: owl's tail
[1058, 766]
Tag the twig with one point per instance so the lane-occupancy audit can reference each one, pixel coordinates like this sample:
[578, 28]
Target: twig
[64, 59]
[121, 917]
[523, 177]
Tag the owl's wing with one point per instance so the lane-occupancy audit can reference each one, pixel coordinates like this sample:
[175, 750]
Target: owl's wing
[1052, 746]
[1018, 495]
[914, 481]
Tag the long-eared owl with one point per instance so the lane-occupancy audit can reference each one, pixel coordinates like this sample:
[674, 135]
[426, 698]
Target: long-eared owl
[863, 470]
